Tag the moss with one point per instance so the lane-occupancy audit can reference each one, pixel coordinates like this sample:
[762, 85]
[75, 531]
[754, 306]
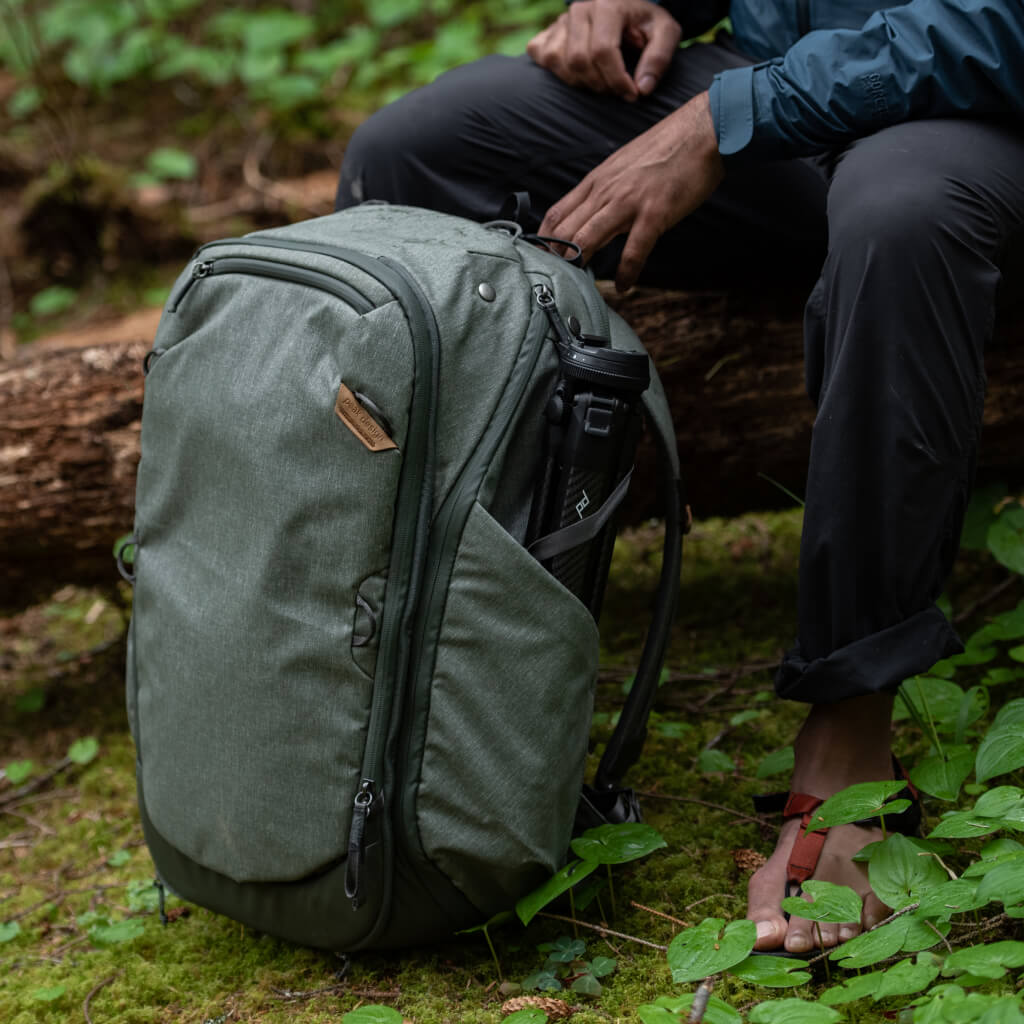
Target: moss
[84, 854]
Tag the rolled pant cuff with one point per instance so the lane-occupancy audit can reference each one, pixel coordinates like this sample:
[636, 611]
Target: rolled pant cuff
[874, 664]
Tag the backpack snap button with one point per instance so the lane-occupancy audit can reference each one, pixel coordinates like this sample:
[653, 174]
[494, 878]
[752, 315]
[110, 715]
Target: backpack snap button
[486, 292]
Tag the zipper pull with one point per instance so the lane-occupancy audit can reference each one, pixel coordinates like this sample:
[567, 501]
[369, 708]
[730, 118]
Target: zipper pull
[362, 806]
[199, 270]
[202, 269]
[546, 301]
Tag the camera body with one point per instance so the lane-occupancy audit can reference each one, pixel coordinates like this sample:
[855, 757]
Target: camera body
[594, 424]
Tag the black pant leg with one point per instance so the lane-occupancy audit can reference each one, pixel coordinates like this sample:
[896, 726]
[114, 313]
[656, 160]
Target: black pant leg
[500, 125]
[921, 218]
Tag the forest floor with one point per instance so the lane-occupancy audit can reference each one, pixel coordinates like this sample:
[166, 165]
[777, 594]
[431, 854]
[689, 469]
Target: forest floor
[80, 937]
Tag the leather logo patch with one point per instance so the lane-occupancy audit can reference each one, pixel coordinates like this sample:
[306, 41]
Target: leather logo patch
[360, 422]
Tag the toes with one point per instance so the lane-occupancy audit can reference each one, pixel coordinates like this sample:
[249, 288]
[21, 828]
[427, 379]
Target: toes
[849, 931]
[874, 911]
[771, 929]
[800, 936]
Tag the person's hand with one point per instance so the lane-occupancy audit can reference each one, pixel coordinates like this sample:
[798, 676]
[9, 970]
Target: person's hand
[642, 189]
[583, 47]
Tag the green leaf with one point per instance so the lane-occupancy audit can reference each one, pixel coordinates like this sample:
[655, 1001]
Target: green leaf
[527, 1015]
[964, 825]
[936, 846]
[53, 300]
[835, 904]
[923, 933]
[710, 947]
[26, 100]
[942, 776]
[980, 515]
[30, 702]
[114, 934]
[275, 29]
[374, 1015]
[776, 763]
[1017, 653]
[742, 717]
[84, 751]
[999, 676]
[563, 950]
[166, 162]
[542, 981]
[955, 896]
[562, 881]
[1006, 538]
[1011, 713]
[1005, 883]
[10, 930]
[1009, 625]
[49, 995]
[907, 977]
[771, 971]
[587, 985]
[602, 966]
[286, 92]
[943, 700]
[899, 872]
[937, 1005]
[18, 772]
[671, 1009]
[860, 986]
[499, 918]
[996, 802]
[143, 894]
[862, 800]
[119, 858]
[715, 761]
[869, 948]
[1001, 751]
[990, 960]
[618, 844]
[792, 1011]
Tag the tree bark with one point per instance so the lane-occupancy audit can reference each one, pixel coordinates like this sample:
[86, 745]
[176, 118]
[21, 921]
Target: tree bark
[731, 364]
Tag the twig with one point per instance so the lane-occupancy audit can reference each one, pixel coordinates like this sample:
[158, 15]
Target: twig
[601, 930]
[18, 795]
[942, 938]
[908, 909]
[985, 599]
[34, 822]
[660, 913]
[291, 995]
[708, 803]
[700, 1000]
[36, 798]
[94, 990]
[992, 922]
[714, 896]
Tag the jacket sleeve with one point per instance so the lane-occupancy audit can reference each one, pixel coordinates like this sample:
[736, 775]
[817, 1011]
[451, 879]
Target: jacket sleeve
[928, 58]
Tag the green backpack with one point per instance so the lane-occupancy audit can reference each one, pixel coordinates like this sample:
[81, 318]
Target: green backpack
[360, 705]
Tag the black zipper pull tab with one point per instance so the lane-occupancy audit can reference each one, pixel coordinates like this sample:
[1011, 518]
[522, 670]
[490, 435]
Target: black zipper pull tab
[362, 806]
[200, 269]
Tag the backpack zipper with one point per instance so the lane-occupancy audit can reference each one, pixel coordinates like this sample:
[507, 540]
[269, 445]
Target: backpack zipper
[269, 268]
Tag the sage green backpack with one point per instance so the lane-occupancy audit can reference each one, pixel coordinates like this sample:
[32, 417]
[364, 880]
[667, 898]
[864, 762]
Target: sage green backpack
[360, 705]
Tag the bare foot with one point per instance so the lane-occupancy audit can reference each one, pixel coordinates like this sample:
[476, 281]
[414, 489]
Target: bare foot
[838, 745]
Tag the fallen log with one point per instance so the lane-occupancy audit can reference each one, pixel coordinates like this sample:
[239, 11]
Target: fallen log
[69, 434]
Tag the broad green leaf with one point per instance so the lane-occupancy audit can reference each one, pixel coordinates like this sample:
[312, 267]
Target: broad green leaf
[1006, 538]
[964, 825]
[899, 872]
[562, 881]
[860, 986]
[710, 947]
[990, 960]
[923, 933]
[939, 699]
[1000, 848]
[618, 844]
[907, 977]
[84, 751]
[143, 894]
[869, 948]
[1004, 1010]
[602, 966]
[999, 676]
[563, 950]
[929, 846]
[742, 717]
[49, 995]
[586, 984]
[980, 515]
[862, 800]
[9, 930]
[166, 162]
[996, 802]
[776, 763]
[1017, 653]
[1005, 883]
[119, 858]
[792, 1011]
[527, 1015]
[1009, 625]
[1001, 751]
[982, 867]
[943, 776]
[673, 1009]
[379, 1015]
[18, 772]
[771, 971]
[26, 100]
[937, 1006]
[275, 29]
[286, 92]
[831, 903]
[115, 934]
[715, 761]
[1011, 713]
[955, 896]
[53, 300]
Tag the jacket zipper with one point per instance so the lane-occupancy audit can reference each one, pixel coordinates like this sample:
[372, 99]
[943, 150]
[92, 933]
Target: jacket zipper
[269, 268]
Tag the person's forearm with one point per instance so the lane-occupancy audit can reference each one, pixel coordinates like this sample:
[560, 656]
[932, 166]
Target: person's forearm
[929, 58]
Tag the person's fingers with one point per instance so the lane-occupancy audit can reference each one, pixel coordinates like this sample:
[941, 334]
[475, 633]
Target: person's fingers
[657, 54]
[643, 236]
[606, 32]
[578, 59]
[548, 49]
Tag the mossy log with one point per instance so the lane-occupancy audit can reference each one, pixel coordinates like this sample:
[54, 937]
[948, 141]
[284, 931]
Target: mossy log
[69, 433]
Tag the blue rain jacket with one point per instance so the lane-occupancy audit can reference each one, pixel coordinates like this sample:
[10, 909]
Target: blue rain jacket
[835, 70]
